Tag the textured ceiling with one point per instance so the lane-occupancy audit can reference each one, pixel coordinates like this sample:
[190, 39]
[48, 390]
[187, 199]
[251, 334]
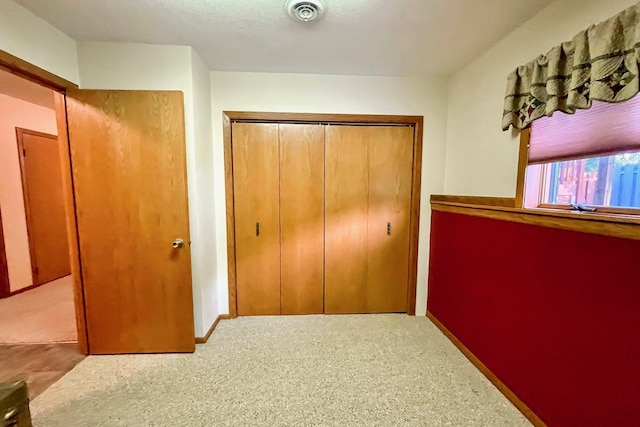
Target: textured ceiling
[361, 37]
[17, 87]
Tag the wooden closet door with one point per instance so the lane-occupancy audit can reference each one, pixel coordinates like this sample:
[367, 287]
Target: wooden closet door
[390, 172]
[302, 218]
[346, 214]
[368, 186]
[256, 188]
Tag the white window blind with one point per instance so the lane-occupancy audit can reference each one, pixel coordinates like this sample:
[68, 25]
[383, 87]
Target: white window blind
[604, 129]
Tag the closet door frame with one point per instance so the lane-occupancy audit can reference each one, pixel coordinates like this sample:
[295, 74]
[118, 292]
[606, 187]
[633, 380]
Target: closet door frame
[308, 118]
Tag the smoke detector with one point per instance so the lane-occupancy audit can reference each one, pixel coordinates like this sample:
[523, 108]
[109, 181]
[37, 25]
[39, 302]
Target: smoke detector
[307, 10]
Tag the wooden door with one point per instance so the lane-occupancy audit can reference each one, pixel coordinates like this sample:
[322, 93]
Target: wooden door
[129, 176]
[368, 190]
[44, 205]
[346, 215]
[390, 172]
[302, 218]
[257, 219]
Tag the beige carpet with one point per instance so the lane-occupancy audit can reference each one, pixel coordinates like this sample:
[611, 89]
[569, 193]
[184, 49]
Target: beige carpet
[367, 370]
[45, 314]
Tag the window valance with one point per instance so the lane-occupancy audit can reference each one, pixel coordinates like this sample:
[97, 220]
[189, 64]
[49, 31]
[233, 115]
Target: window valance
[600, 63]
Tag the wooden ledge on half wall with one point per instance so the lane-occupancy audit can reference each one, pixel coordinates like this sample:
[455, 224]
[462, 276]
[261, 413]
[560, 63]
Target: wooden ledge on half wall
[504, 209]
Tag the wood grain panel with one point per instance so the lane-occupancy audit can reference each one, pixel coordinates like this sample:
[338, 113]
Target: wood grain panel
[256, 200]
[623, 226]
[129, 177]
[311, 118]
[266, 117]
[523, 160]
[416, 190]
[44, 205]
[389, 201]
[507, 202]
[302, 218]
[72, 225]
[231, 217]
[346, 215]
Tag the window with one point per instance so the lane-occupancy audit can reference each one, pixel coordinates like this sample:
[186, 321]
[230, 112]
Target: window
[590, 159]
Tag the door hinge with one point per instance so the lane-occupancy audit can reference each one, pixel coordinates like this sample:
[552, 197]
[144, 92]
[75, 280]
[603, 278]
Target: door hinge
[24, 152]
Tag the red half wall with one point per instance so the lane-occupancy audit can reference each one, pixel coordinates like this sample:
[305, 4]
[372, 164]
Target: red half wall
[554, 314]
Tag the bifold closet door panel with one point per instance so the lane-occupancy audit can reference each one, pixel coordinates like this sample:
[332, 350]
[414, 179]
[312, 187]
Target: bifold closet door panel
[346, 210]
[390, 166]
[301, 218]
[256, 188]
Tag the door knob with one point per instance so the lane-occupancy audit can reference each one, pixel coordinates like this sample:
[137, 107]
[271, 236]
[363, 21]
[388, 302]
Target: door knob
[177, 244]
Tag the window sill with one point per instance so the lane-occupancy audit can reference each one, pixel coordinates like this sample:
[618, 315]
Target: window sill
[613, 212]
[617, 225]
[593, 216]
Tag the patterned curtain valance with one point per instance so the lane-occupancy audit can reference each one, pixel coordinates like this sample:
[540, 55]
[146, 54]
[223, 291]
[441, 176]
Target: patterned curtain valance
[600, 63]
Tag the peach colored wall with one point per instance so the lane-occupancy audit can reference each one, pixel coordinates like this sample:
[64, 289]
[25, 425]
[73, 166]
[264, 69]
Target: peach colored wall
[17, 113]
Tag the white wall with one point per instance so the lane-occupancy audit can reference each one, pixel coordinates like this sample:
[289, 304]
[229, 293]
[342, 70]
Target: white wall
[333, 94]
[17, 113]
[138, 66]
[481, 158]
[32, 39]
[207, 268]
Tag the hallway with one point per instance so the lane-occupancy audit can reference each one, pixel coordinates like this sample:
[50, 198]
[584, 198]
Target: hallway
[42, 315]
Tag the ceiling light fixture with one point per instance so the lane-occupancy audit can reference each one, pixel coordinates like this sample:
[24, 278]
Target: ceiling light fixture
[307, 10]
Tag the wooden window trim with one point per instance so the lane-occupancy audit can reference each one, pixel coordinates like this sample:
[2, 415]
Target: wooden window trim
[523, 160]
[610, 212]
[308, 118]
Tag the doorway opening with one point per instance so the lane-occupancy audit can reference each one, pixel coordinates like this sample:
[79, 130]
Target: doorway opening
[124, 180]
[37, 310]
